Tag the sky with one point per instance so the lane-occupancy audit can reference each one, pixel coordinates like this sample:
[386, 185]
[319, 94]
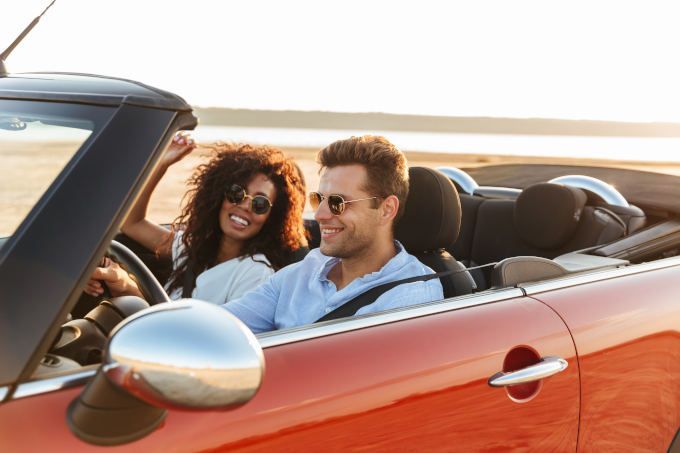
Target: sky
[606, 60]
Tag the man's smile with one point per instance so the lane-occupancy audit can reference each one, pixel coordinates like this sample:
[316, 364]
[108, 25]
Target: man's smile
[327, 231]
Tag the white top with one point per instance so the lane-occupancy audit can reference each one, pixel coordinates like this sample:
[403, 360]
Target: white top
[226, 281]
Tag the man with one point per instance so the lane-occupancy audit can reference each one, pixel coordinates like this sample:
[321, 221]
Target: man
[362, 191]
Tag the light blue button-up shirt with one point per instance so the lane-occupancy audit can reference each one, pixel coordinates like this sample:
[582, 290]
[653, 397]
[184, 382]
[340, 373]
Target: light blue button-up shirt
[301, 293]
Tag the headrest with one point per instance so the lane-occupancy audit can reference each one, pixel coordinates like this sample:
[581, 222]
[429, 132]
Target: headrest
[431, 219]
[546, 214]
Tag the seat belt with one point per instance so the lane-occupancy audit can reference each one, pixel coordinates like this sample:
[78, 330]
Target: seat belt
[189, 281]
[366, 298]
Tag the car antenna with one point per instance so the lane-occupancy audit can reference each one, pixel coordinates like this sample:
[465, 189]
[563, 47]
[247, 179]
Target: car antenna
[27, 30]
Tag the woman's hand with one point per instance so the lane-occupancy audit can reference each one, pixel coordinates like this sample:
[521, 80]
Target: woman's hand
[116, 279]
[181, 145]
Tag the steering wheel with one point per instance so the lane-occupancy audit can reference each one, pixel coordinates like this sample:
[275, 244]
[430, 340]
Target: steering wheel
[83, 340]
[153, 291]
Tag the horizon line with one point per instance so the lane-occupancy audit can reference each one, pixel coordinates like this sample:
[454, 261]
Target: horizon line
[321, 119]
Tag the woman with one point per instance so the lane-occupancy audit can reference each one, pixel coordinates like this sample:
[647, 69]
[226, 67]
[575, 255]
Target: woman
[241, 222]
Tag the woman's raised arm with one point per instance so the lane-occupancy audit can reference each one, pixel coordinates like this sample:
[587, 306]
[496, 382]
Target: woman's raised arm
[136, 226]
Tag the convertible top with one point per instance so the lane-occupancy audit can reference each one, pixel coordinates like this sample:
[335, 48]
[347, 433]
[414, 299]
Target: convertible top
[644, 189]
[87, 89]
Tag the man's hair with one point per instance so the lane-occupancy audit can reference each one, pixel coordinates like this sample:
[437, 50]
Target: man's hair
[386, 166]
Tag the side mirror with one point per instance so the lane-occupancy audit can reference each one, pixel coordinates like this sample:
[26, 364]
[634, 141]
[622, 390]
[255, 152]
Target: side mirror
[186, 355]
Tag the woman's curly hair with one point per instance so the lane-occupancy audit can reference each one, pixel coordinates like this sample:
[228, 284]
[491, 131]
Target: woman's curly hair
[280, 236]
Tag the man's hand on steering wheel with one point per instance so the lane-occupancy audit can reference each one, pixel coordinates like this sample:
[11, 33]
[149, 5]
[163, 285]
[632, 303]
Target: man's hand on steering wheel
[116, 279]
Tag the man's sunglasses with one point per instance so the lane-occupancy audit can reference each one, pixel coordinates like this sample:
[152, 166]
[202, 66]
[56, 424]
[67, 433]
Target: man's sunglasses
[336, 204]
[259, 204]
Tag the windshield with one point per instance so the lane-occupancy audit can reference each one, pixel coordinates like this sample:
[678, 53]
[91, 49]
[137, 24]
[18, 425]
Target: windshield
[37, 140]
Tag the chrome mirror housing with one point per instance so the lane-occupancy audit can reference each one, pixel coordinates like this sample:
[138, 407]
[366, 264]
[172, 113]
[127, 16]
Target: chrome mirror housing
[187, 354]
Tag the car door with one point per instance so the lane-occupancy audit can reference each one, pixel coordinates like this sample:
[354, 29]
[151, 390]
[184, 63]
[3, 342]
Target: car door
[411, 379]
[626, 327]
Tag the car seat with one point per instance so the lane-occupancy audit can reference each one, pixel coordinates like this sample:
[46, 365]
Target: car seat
[430, 224]
[546, 220]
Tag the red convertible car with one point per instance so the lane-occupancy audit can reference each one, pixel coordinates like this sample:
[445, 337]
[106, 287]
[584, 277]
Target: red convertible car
[565, 336]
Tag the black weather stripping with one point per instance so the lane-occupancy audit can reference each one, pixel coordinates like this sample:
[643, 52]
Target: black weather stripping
[675, 445]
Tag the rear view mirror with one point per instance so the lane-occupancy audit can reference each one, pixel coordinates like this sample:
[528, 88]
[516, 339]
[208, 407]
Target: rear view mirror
[12, 124]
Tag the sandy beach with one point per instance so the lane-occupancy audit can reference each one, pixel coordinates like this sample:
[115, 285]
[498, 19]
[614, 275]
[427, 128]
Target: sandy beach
[18, 193]
[166, 198]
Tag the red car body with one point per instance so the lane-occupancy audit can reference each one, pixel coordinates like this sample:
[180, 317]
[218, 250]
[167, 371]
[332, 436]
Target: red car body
[421, 383]
[414, 379]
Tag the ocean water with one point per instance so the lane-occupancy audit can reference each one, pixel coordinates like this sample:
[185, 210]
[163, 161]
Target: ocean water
[654, 149]
[661, 149]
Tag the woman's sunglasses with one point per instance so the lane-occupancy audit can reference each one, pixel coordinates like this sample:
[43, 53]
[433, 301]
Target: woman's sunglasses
[259, 204]
[336, 204]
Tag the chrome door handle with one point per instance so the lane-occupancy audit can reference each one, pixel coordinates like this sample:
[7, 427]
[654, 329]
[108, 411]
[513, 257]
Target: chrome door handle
[546, 367]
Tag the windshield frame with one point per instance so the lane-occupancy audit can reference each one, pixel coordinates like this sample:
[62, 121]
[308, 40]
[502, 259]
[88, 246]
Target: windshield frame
[44, 264]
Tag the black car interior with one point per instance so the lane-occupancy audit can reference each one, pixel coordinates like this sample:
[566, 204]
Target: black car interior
[430, 225]
[545, 220]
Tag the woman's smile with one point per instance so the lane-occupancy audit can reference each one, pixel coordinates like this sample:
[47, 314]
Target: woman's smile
[238, 221]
